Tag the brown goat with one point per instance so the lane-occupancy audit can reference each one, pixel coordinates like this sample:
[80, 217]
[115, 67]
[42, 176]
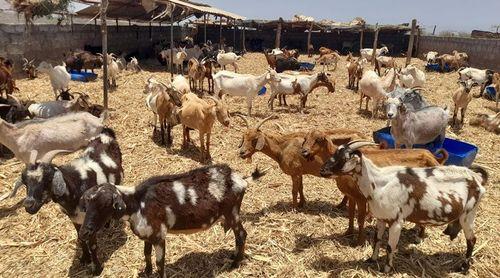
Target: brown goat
[196, 73]
[209, 66]
[355, 71]
[7, 82]
[286, 150]
[271, 59]
[318, 143]
[325, 50]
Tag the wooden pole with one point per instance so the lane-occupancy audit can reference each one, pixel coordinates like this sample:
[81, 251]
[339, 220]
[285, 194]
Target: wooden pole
[171, 44]
[412, 40]
[278, 35]
[434, 30]
[150, 31]
[116, 22]
[361, 35]
[72, 27]
[234, 34]
[243, 47]
[104, 37]
[309, 39]
[417, 42]
[95, 27]
[375, 44]
[220, 34]
[205, 28]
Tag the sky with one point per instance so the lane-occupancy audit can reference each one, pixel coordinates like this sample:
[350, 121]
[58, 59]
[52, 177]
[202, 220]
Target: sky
[448, 15]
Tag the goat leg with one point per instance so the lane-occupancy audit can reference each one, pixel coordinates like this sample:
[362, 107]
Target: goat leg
[148, 247]
[96, 265]
[160, 257]
[302, 201]
[343, 203]
[394, 233]
[361, 221]
[377, 241]
[85, 258]
[462, 113]
[351, 211]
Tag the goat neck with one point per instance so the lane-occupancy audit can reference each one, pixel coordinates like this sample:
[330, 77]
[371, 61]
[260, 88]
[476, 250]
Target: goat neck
[130, 196]
[273, 146]
[369, 176]
[261, 80]
[7, 134]
[389, 80]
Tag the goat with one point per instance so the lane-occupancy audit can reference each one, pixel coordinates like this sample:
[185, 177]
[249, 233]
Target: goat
[454, 61]
[162, 100]
[196, 73]
[496, 85]
[328, 59]
[164, 56]
[59, 77]
[193, 52]
[283, 64]
[461, 99]
[410, 97]
[318, 143]
[489, 122]
[426, 196]
[355, 71]
[113, 70]
[7, 82]
[65, 95]
[286, 151]
[230, 58]
[367, 52]
[179, 59]
[50, 109]
[271, 59]
[29, 68]
[209, 64]
[306, 82]
[374, 87]
[325, 50]
[418, 127]
[430, 57]
[179, 204]
[200, 114]
[246, 85]
[385, 62]
[133, 65]
[292, 53]
[69, 132]
[411, 77]
[12, 110]
[478, 76]
[100, 163]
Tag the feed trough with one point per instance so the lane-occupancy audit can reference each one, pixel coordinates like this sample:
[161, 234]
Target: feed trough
[460, 153]
[437, 67]
[82, 76]
[490, 92]
[306, 66]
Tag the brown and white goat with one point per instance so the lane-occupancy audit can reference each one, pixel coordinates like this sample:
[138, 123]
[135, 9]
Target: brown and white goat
[200, 114]
[7, 82]
[423, 195]
[489, 122]
[328, 59]
[318, 143]
[196, 73]
[29, 68]
[178, 204]
[286, 151]
[101, 162]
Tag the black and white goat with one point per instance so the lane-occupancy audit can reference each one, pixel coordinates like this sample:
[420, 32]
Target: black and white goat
[426, 196]
[100, 163]
[179, 204]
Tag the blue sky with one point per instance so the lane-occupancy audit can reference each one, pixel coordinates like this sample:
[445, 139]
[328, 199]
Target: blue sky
[456, 15]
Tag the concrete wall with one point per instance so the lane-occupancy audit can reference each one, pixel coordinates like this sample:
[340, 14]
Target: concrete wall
[483, 53]
[49, 42]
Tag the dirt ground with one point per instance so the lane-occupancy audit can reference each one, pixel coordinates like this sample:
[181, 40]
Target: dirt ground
[281, 242]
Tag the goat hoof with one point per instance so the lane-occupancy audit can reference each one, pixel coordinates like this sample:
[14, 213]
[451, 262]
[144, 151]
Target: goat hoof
[96, 269]
[148, 269]
[85, 260]
[370, 261]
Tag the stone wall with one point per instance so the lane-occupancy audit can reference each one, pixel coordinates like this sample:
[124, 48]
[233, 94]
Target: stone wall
[49, 42]
[483, 53]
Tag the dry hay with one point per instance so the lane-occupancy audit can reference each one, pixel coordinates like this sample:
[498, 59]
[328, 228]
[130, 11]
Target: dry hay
[281, 242]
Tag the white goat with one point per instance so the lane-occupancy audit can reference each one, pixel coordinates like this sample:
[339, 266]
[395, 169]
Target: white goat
[478, 76]
[133, 65]
[431, 56]
[67, 132]
[228, 59]
[59, 77]
[179, 59]
[246, 85]
[181, 84]
[50, 109]
[374, 87]
[368, 52]
[411, 77]
[193, 52]
[113, 70]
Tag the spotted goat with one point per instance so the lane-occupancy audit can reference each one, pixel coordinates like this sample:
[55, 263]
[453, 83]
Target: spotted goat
[426, 196]
[179, 204]
[100, 163]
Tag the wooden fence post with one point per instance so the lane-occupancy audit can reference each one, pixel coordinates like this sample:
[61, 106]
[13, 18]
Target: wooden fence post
[277, 43]
[309, 38]
[361, 36]
[244, 48]
[412, 39]
[375, 44]
[104, 37]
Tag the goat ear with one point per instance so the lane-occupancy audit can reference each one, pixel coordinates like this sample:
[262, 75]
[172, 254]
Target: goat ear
[357, 152]
[260, 143]
[58, 184]
[330, 146]
[118, 203]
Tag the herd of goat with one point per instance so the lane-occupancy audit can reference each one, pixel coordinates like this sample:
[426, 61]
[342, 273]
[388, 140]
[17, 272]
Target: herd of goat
[393, 185]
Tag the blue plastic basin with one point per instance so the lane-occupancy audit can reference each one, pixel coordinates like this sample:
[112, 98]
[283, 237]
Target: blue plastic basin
[460, 153]
[490, 92]
[436, 67]
[306, 66]
[82, 76]
[262, 91]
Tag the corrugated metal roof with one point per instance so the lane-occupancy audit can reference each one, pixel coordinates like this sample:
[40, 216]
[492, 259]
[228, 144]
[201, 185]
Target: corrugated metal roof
[134, 10]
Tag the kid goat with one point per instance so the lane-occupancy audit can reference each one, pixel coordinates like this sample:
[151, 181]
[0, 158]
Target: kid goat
[426, 196]
[179, 204]
[100, 163]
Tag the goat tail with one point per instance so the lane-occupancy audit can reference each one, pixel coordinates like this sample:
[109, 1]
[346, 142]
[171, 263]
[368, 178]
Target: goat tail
[256, 174]
[441, 156]
[481, 171]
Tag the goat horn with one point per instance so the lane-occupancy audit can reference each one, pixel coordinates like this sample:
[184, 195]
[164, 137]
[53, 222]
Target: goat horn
[356, 144]
[47, 158]
[4, 105]
[25, 60]
[33, 155]
[272, 117]
[243, 118]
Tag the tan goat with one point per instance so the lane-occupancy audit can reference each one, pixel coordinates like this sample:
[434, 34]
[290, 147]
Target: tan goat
[318, 143]
[285, 149]
[355, 71]
[200, 114]
[462, 98]
[196, 73]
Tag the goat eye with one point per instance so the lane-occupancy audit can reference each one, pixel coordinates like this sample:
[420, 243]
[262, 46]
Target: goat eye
[241, 144]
